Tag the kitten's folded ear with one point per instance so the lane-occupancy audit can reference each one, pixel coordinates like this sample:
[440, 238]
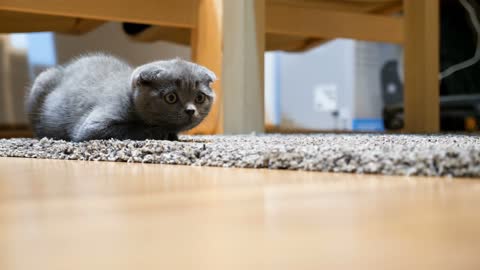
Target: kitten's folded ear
[211, 77]
[145, 75]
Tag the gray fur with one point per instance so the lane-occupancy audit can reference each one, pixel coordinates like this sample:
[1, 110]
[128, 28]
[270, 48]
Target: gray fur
[101, 97]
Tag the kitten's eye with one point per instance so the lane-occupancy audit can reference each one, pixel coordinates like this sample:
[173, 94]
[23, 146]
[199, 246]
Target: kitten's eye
[200, 98]
[170, 98]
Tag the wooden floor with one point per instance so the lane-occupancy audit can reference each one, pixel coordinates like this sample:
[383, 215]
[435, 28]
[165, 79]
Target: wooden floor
[86, 215]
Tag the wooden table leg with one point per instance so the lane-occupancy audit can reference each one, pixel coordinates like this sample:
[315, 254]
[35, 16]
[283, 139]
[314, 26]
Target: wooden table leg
[206, 44]
[230, 40]
[421, 95]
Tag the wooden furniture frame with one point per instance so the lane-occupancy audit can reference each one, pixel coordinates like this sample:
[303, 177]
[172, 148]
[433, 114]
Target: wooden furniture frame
[230, 37]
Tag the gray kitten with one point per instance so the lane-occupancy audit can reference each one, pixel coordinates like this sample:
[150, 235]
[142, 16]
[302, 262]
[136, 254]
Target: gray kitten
[101, 97]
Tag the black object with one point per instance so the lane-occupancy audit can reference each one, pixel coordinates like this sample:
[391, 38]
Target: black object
[458, 41]
[132, 29]
[460, 92]
[457, 112]
[392, 87]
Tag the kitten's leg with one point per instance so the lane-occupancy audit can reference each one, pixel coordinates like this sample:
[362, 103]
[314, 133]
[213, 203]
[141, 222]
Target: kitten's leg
[43, 85]
[98, 126]
[158, 133]
[123, 131]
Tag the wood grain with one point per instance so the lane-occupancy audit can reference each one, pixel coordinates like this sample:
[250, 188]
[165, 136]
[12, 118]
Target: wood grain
[92, 215]
[207, 50]
[180, 14]
[360, 6]
[16, 22]
[422, 54]
[285, 41]
[318, 23]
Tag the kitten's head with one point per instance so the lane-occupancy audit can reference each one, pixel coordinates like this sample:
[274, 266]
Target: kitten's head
[173, 94]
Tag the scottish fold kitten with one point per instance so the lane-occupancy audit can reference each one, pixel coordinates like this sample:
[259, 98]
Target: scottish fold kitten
[101, 97]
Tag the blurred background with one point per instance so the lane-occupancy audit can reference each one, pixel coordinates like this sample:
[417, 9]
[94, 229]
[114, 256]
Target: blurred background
[341, 85]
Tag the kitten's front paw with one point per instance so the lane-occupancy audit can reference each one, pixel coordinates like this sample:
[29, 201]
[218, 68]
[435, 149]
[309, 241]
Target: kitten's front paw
[172, 137]
[160, 134]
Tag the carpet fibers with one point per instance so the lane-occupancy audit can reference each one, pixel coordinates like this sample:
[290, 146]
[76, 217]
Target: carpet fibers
[438, 155]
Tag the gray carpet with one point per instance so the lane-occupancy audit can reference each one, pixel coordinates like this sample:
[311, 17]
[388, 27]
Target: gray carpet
[442, 155]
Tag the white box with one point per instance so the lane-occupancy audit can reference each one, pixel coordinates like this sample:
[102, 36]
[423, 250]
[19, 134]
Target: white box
[333, 87]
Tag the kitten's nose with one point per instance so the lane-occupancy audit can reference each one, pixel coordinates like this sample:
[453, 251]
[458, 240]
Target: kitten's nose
[190, 111]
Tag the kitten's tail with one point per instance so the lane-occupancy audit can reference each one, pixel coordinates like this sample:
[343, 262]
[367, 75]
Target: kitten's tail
[42, 86]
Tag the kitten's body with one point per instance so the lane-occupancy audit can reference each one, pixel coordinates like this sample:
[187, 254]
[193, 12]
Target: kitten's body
[101, 97]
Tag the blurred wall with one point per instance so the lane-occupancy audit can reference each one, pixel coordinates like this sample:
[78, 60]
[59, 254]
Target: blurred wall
[110, 38]
[334, 86]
